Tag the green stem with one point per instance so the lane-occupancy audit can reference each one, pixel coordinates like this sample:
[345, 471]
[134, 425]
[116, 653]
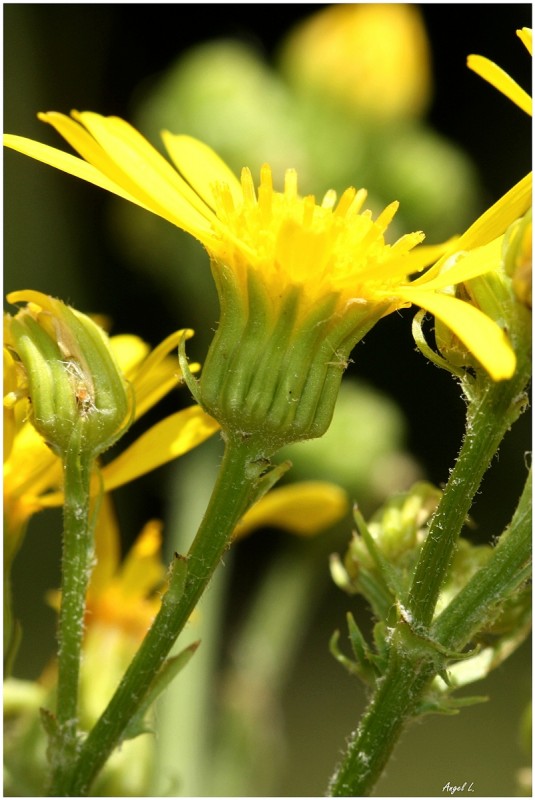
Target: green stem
[76, 563]
[409, 674]
[372, 744]
[507, 569]
[410, 669]
[235, 484]
[489, 418]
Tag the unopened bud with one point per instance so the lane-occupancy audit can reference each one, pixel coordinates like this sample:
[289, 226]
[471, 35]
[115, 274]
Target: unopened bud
[77, 392]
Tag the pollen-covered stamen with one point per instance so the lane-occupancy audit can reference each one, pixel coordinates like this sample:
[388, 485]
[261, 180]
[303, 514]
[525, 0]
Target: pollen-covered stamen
[329, 199]
[224, 202]
[265, 194]
[309, 207]
[290, 184]
[386, 216]
[249, 194]
[406, 243]
[373, 237]
[351, 202]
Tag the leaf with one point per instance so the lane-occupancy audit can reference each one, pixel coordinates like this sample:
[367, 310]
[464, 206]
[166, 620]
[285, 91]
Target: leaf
[168, 671]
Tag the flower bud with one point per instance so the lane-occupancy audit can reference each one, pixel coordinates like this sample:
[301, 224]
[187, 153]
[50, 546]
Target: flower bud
[397, 529]
[517, 257]
[78, 396]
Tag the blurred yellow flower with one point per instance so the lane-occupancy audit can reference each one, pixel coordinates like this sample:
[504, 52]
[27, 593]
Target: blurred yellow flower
[332, 250]
[305, 508]
[372, 57]
[122, 600]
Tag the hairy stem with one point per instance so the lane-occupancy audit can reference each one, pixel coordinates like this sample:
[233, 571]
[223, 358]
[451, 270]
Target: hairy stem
[236, 482]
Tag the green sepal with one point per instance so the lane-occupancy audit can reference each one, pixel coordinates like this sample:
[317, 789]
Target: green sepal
[381, 638]
[363, 664]
[429, 353]
[386, 571]
[421, 645]
[267, 481]
[447, 705]
[190, 380]
[274, 367]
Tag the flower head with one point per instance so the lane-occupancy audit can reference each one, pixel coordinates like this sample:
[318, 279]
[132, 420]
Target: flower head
[298, 281]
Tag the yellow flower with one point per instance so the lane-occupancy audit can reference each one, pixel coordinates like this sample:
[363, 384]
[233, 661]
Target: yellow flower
[334, 249]
[485, 249]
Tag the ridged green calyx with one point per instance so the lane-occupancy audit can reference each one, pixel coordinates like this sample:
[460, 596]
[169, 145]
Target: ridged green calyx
[274, 373]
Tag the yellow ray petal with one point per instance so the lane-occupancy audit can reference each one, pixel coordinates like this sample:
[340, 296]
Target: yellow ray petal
[107, 546]
[142, 569]
[526, 37]
[168, 439]
[129, 351]
[149, 171]
[68, 163]
[483, 337]
[161, 351]
[491, 224]
[304, 508]
[201, 166]
[466, 266]
[90, 150]
[157, 374]
[498, 78]
[495, 221]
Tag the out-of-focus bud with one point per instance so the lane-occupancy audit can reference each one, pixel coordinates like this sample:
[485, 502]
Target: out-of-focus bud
[397, 529]
[77, 392]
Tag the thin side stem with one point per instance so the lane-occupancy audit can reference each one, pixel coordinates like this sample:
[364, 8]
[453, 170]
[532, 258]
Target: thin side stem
[507, 569]
[488, 421]
[409, 669]
[76, 564]
[236, 481]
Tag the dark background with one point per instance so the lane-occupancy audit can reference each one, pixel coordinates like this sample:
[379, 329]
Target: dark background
[99, 57]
